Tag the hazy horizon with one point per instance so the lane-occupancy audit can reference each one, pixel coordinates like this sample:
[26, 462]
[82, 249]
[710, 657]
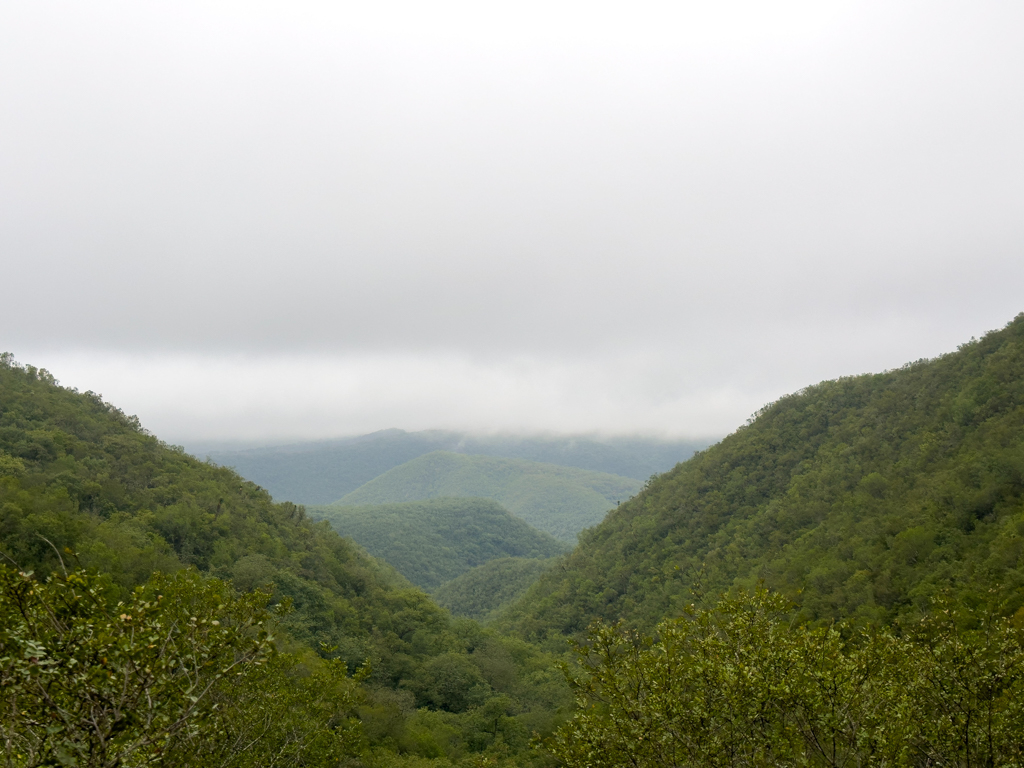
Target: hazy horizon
[201, 447]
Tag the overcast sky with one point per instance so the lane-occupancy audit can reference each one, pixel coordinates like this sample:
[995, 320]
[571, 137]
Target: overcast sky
[280, 220]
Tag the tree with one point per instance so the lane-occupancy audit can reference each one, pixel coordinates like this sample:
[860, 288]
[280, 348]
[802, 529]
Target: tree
[291, 711]
[739, 686]
[89, 683]
[709, 689]
[971, 691]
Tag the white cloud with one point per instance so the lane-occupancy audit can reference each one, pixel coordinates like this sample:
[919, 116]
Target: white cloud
[663, 391]
[669, 211]
[190, 398]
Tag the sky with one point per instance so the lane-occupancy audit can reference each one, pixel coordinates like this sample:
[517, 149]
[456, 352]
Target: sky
[273, 221]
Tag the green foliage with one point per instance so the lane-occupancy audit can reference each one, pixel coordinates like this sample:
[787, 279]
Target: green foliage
[561, 501]
[450, 682]
[321, 472]
[482, 592]
[863, 497]
[90, 683]
[432, 542]
[465, 724]
[738, 686]
[290, 711]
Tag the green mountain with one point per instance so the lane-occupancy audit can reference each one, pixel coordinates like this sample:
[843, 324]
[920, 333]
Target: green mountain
[79, 475]
[321, 472]
[82, 484]
[863, 497]
[432, 542]
[482, 592]
[561, 501]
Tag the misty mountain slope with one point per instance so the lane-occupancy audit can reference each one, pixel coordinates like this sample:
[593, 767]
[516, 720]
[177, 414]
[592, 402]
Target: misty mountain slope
[862, 497]
[482, 592]
[432, 542]
[635, 457]
[559, 500]
[321, 472]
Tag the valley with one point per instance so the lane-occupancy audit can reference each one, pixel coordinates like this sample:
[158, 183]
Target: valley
[441, 605]
[434, 541]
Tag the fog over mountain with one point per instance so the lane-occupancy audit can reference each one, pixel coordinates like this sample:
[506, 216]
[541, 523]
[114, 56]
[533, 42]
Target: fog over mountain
[260, 221]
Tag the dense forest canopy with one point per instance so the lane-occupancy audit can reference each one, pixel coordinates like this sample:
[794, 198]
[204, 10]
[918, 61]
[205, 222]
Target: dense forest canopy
[737, 684]
[434, 541]
[483, 592]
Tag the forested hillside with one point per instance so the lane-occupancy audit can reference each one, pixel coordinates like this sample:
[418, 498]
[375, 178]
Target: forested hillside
[322, 472]
[432, 542]
[561, 501]
[82, 484]
[80, 475]
[482, 592]
[863, 497]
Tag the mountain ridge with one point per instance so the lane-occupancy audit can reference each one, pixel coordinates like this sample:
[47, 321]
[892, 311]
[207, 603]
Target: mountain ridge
[320, 472]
